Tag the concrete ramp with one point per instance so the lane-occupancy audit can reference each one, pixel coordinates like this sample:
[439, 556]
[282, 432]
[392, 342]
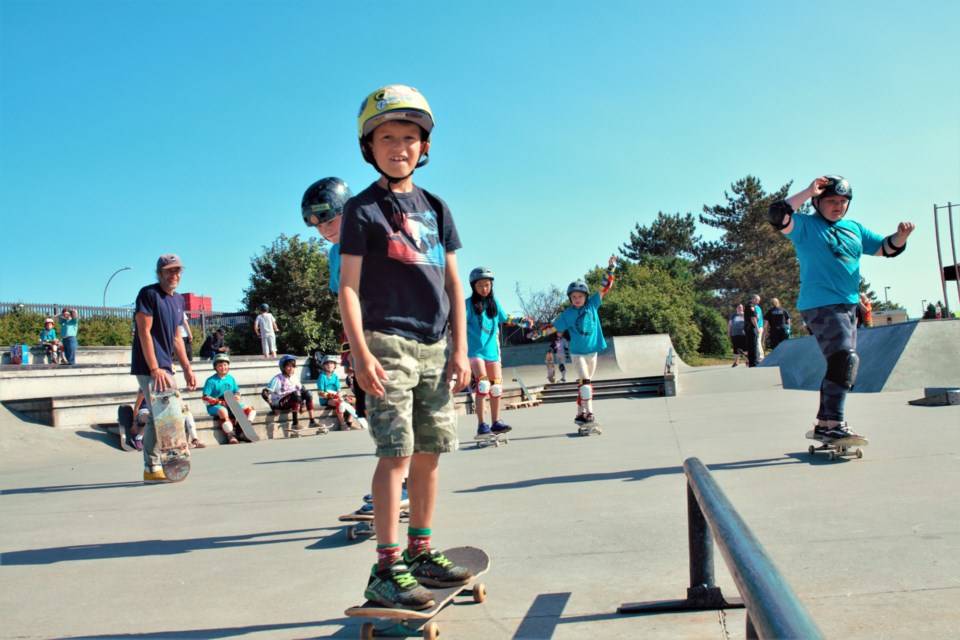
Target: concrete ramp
[624, 356]
[896, 357]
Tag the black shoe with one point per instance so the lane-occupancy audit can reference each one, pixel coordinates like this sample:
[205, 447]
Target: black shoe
[433, 569]
[395, 586]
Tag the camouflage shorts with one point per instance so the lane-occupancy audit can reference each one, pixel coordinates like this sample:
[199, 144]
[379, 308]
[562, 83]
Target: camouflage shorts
[416, 413]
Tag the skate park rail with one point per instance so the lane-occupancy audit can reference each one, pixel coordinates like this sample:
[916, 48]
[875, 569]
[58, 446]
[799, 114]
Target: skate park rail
[773, 609]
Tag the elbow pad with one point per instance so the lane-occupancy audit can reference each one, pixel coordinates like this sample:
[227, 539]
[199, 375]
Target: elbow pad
[779, 214]
[890, 250]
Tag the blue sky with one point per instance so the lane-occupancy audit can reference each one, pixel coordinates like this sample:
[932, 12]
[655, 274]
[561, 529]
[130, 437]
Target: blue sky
[134, 128]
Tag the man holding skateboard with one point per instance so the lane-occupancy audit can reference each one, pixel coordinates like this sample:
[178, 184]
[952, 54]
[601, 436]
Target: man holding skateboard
[159, 312]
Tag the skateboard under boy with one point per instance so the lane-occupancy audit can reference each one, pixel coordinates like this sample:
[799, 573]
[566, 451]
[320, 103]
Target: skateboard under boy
[240, 417]
[361, 523]
[168, 421]
[837, 447]
[588, 428]
[125, 427]
[409, 623]
[492, 439]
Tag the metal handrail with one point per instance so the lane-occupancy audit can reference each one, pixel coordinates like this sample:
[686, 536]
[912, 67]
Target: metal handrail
[773, 609]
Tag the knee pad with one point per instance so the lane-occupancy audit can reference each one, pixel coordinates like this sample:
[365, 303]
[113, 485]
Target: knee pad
[586, 390]
[496, 389]
[842, 368]
[483, 386]
[563, 369]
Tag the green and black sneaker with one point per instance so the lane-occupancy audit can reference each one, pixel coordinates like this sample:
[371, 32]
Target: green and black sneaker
[434, 570]
[394, 587]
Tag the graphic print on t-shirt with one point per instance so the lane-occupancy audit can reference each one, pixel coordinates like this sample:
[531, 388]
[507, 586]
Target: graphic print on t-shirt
[418, 242]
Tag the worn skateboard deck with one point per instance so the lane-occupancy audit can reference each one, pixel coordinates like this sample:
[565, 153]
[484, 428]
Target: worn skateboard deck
[491, 440]
[168, 420]
[306, 430]
[838, 447]
[588, 428]
[125, 427]
[362, 523]
[240, 417]
[409, 623]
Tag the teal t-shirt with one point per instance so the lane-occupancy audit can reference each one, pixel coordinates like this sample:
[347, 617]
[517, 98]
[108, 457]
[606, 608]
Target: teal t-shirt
[216, 387]
[68, 328]
[333, 259]
[48, 334]
[829, 256]
[586, 336]
[483, 334]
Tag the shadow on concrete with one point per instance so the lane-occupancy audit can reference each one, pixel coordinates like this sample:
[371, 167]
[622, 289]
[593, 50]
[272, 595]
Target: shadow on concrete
[317, 459]
[102, 435]
[72, 487]
[631, 475]
[142, 548]
[232, 632]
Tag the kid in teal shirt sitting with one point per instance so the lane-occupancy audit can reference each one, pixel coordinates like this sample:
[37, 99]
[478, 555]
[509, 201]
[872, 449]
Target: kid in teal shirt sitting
[328, 385]
[215, 388]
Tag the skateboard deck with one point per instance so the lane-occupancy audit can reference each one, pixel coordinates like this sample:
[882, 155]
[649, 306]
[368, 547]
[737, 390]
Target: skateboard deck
[125, 422]
[306, 430]
[492, 439]
[838, 447]
[408, 623]
[588, 428]
[240, 417]
[362, 523]
[168, 420]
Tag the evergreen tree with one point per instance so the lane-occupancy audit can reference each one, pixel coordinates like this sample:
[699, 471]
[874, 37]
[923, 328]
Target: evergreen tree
[750, 256]
[668, 236]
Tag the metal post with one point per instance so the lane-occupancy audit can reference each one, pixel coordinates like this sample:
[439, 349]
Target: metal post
[885, 298]
[953, 246]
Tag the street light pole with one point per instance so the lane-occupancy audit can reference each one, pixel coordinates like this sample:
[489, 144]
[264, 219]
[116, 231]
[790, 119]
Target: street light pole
[108, 285]
[923, 308]
[885, 289]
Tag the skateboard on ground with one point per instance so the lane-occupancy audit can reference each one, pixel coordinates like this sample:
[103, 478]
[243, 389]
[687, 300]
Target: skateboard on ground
[168, 420]
[240, 417]
[408, 623]
[125, 422]
[838, 447]
[362, 521]
[588, 428]
[492, 439]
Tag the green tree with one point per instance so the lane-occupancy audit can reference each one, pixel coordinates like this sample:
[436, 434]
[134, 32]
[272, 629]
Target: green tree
[292, 276]
[669, 236]
[750, 256]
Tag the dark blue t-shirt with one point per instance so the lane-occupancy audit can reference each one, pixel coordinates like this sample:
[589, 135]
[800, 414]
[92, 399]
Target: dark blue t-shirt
[402, 279]
[167, 313]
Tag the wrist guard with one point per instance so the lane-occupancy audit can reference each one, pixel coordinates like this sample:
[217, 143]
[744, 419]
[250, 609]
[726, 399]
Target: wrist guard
[779, 215]
[891, 250]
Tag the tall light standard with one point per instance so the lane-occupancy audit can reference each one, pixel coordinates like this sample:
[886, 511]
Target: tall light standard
[885, 290]
[108, 285]
[923, 308]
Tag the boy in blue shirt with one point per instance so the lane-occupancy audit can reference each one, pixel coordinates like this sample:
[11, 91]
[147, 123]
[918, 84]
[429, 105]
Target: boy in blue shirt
[829, 247]
[403, 313]
[48, 338]
[586, 336]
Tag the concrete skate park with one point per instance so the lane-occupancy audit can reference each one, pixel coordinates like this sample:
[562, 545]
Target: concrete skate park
[249, 544]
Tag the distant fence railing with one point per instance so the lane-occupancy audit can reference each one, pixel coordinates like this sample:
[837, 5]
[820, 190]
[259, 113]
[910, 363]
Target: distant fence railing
[206, 320]
[773, 610]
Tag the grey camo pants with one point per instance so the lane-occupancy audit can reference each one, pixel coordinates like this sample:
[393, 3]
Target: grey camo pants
[835, 328]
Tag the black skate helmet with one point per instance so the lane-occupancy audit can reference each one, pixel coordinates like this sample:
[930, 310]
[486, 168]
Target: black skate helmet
[836, 186]
[323, 201]
[577, 285]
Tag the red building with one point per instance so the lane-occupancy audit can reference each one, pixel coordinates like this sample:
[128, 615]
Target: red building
[193, 302]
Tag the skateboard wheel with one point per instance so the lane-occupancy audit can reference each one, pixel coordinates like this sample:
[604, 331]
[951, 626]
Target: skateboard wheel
[859, 453]
[367, 631]
[431, 631]
[352, 535]
[831, 456]
[811, 449]
[479, 592]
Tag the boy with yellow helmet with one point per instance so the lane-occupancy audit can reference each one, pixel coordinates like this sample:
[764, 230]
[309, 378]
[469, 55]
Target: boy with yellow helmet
[402, 304]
